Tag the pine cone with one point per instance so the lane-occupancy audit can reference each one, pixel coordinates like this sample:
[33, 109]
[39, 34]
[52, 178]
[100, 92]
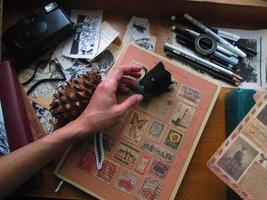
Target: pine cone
[71, 99]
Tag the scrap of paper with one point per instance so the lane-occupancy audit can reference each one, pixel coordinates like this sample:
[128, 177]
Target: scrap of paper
[148, 44]
[85, 41]
[139, 28]
[108, 35]
[45, 116]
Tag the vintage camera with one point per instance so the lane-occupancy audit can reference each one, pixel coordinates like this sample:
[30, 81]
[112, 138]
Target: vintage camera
[34, 34]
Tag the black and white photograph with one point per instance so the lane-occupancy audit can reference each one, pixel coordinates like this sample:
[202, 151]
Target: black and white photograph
[262, 116]
[247, 67]
[237, 158]
[139, 28]
[85, 41]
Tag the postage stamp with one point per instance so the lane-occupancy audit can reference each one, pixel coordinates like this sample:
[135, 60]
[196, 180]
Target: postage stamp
[149, 190]
[126, 181]
[156, 130]
[108, 142]
[160, 106]
[135, 127]
[87, 161]
[182, 117]
[107, 171]
[189, 95]
[126, 154]
[173, 139]
[158, 151]
[159, 168]
[237, 158]
[142, 163]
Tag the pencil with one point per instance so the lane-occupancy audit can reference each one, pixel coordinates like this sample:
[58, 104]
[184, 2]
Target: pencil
[196, 66]
[201, 61]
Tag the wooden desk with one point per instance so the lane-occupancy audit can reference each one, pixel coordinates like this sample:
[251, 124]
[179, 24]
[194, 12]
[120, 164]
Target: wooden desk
[199, 182]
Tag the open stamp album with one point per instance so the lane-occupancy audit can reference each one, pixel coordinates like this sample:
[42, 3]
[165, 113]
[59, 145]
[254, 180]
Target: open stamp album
[241, 161]
[148, 150]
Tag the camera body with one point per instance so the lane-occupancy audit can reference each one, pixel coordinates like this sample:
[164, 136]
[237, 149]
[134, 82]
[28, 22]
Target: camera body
[34, 34]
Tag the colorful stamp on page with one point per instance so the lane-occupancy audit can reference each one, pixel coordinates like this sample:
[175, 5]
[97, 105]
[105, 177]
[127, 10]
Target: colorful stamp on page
[183, 116]
[126, 154]
[87, 161]
[142, 163]
[189, 95]
[156, 130]
[126, 181]
[135, 128]
[158, 151]
[173, 139]
[159, 168]
[107, 172]
[149, 190]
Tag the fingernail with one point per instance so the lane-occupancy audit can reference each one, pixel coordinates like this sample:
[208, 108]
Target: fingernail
[139, 98]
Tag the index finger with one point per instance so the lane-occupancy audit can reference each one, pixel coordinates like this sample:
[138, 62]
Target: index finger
[115, 76]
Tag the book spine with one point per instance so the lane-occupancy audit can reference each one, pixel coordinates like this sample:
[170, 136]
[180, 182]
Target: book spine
[14, 111]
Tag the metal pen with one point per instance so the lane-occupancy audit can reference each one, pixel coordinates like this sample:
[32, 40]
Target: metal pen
[202, 61]
[224, 42]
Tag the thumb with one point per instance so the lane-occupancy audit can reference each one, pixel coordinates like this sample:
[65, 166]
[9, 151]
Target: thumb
[129, 102]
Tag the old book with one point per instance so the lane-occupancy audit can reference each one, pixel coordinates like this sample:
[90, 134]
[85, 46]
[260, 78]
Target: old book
[241, 161]
[19, 125]
[149, 149]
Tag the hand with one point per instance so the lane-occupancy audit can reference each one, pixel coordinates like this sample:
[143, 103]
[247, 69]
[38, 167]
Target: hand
[103, 110]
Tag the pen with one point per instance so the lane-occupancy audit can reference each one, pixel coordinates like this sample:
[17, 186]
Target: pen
[224, 34]
[224, 42]
[194, 34]
[202, 61]
[190, 41]
[202, 68]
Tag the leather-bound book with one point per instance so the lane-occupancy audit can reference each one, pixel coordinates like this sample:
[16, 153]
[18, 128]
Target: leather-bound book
[19, 132]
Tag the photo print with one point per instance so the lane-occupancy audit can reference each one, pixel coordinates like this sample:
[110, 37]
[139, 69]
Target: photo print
[237, 158]
[262, 116]
[247, 67]
[85, 42]
[139, 28]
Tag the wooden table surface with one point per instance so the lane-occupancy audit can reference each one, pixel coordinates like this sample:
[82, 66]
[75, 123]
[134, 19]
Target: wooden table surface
[199, 182]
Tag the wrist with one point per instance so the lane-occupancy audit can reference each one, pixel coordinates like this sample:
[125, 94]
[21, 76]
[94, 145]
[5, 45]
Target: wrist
[79, 128]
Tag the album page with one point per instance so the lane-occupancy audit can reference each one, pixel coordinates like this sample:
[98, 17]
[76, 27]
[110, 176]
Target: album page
[148, 150]
[241, 161]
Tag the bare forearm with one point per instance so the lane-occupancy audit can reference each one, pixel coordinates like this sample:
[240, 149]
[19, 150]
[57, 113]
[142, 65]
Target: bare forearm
[21, 164]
